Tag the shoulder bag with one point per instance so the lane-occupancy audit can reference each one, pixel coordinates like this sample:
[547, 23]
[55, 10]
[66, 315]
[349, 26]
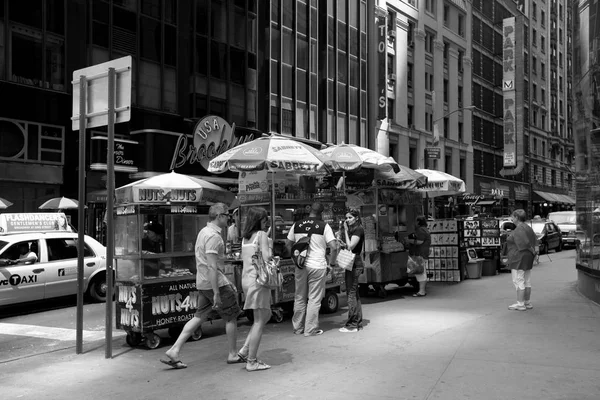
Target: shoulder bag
[267, 271]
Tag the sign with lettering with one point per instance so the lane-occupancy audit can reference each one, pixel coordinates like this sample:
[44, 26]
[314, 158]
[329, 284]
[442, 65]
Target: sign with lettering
[253, 181]
[125, 151]
[433, 152]
[381, 25]
[212, 136]
[33, 222]
[509, 92]
[161, 304]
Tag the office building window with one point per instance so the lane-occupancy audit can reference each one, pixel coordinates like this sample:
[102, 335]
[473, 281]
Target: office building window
[390, 109]
[429, 39]
[31, 41]
[430, 6]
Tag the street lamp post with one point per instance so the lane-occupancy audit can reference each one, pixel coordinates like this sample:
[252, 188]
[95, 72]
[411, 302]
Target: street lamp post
[434, 152]
[436, 135]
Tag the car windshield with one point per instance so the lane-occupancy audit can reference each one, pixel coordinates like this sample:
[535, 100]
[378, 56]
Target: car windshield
[564, 219]
[538, 228]
[2, 244]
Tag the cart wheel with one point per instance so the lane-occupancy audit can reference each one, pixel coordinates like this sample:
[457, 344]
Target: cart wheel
[197, 335]
[330, 302]
[133, 338]
[175, 331]
[250, 315]
[152, 340]
[277, 316]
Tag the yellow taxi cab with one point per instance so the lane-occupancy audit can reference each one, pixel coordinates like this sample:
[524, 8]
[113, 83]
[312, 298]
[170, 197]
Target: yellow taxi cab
[38, 259]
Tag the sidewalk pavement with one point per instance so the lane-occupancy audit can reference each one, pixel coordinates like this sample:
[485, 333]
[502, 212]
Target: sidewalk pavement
[459, 342]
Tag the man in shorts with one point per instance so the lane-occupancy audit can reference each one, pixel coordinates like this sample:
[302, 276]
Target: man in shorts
[216, 292]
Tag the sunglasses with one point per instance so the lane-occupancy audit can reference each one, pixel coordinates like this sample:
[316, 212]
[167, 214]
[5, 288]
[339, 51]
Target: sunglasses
[224, 214]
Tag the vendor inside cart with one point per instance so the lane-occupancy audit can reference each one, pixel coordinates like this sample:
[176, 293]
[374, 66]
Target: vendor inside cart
[152, 243]
[153, 240]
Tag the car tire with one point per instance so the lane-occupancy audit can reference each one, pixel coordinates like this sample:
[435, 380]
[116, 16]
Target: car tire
[97, 288]
[543, 248]
[560, 246]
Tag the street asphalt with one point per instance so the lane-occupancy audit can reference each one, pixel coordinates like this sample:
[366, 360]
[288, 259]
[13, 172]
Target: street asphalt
[459, 342]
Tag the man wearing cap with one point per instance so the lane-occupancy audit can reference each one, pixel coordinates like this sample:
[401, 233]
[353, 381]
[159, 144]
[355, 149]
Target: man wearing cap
[310, 280]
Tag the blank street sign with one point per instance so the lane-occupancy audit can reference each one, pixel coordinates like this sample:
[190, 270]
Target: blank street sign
[97, 93]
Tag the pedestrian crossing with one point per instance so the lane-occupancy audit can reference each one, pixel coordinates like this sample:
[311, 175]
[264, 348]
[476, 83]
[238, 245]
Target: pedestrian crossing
[53, 333]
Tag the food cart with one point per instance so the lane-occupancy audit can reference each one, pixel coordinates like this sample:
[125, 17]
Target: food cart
[292, 202]
[157, 221]
[291, 168]
[389, 207]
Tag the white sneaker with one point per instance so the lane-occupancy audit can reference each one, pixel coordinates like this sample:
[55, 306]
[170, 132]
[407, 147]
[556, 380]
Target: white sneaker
[528, 306]
[517, 307]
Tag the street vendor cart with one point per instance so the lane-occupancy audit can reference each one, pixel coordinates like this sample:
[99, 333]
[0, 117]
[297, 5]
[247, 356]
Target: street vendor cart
[389, 206]
[389, 215]
[156, 224]
[278, 173]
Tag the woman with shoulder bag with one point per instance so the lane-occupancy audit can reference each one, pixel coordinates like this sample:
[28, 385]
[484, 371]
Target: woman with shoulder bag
[353, 238]
[258, 297]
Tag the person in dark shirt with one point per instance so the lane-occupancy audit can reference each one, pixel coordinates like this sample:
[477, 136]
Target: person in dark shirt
[420, 243]
[353, 239]
[153, 237]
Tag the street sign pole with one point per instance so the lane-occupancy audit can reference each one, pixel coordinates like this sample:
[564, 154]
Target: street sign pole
[81, 216]
[110, 188]
[101, 97]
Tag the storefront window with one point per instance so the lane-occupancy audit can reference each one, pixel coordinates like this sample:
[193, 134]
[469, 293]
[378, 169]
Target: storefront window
[237, 30]
[55, 16]
[170, 45]
[149, 86]
[150, 39]
[55, 63]
[170, 90]
[2, 47]
[218, 60]
[27, 56]
[31, 16]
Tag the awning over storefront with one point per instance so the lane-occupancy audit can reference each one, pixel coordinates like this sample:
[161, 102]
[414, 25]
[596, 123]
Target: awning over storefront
[486, 203]
[555, 197]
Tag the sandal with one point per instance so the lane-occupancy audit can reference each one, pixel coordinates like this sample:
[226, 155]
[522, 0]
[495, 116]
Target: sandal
[419, 295]
[256, 365]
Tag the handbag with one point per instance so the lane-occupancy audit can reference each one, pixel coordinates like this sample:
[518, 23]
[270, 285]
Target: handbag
[345, 259]
[414, 266]
[267, 272]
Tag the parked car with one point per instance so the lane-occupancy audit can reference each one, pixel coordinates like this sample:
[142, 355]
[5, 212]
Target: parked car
[548, 234]
[54, 274]
[567, 222]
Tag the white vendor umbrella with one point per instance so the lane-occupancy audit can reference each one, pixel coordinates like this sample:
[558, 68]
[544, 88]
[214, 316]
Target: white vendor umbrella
[174, 188]
[441, 184]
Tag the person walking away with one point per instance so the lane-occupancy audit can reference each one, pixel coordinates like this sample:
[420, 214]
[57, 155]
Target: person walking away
[420, 244]
[216, 292]
[520, 246]
[257, 297]
[354, 237]
[310, 280]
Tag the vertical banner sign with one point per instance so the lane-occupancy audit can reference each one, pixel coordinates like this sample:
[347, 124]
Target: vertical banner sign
[382, 58]
[509, 92]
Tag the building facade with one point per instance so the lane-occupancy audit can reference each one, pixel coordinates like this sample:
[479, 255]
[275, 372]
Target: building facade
[542, 180]
[292, 67]
[426, 84]
[586, 92]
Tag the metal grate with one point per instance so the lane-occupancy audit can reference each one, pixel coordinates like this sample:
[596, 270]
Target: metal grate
[124, 41]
